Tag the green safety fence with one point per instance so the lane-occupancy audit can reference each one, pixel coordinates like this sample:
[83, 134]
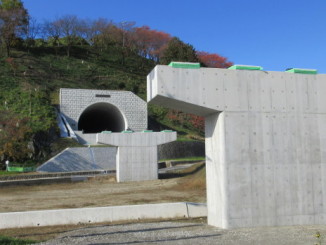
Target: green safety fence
[21, 169]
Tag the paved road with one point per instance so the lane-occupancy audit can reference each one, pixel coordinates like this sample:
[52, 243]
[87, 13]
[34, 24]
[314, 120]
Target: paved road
[189, 233]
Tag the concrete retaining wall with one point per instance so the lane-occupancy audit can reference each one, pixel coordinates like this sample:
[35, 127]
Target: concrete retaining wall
[101, 214]
[86, 139]
[181, 149]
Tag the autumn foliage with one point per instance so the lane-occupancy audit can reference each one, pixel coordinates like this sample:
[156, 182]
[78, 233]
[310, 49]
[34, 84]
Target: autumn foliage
[213, 60]
[151, 43]
[14, 136]
[190, 121]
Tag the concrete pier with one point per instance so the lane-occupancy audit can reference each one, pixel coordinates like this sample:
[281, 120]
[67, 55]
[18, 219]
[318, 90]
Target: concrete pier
[137, 153]
[265, 141]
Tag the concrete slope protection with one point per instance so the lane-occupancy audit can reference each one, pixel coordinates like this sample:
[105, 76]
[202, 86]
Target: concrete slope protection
[265, 141]
[81, 159]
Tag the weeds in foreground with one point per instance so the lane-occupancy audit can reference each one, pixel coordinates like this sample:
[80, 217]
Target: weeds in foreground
[14, 241]
[318, 237]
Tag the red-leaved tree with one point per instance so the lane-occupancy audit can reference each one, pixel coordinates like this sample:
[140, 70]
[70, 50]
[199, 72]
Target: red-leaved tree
[150, 43]
[213, 60]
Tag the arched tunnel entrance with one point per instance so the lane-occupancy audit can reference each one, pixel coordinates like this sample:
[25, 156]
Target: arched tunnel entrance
[101, 117]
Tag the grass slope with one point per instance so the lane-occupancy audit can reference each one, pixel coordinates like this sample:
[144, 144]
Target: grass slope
[83, 69]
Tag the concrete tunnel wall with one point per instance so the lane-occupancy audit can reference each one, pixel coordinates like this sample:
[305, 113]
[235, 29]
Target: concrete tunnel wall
[99, 110]
[265, 141]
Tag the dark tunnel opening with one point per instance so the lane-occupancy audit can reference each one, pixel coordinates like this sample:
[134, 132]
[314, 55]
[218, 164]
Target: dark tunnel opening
[101, 117]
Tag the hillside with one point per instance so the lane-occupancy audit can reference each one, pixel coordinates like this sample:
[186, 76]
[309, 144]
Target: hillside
[39, 58]
[42, 68]
[30, 82]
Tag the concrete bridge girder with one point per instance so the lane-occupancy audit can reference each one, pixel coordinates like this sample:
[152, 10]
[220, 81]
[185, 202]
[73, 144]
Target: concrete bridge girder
[265, 141]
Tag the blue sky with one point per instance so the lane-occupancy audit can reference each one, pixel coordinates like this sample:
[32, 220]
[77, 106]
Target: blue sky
[273, 34]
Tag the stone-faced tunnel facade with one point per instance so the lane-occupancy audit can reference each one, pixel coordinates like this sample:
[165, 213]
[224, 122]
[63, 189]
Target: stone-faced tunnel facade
[265, 136]
[94, 111]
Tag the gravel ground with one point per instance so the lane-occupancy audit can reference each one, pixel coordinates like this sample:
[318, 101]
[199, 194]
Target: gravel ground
[189, 233]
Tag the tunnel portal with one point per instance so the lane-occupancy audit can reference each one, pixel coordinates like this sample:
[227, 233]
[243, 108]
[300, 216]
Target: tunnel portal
[92, 110]
[101, 117]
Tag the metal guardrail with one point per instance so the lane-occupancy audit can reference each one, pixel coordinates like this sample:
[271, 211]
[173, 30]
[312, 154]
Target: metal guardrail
[55, 175]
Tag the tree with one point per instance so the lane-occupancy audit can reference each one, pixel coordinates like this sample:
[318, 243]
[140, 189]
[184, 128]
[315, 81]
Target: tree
[213, 60]
[125, 33]
[33, 28]
[176, 50]
[14, 136]
[11, 4]
[13, 21]
[98, 33]
[150, 43]
[89, 29]
[52, 32]
[70, 27]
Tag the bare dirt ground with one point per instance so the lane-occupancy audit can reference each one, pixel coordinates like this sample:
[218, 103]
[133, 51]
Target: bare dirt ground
[192, 231]
[187, 185]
